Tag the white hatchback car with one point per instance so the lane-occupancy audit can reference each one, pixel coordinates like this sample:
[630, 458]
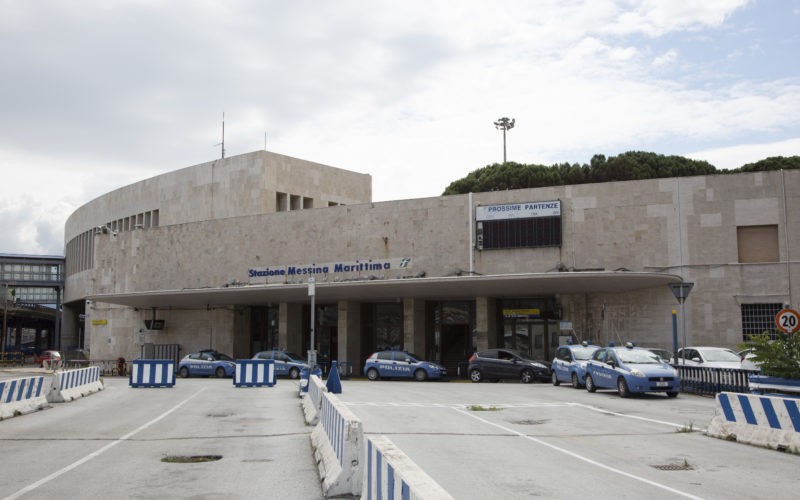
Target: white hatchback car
[711, 357]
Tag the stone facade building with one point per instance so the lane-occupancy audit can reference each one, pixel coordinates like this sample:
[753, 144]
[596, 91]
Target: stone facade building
[223, 253]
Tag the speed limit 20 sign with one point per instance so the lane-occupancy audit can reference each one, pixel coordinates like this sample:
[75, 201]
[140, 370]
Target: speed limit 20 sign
[788, 320]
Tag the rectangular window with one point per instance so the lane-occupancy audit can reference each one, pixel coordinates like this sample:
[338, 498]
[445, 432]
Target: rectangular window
[757, 244]
[281, 202]
[759, 318]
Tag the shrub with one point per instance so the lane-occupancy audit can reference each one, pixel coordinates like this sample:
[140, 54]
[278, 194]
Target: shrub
[776, 358]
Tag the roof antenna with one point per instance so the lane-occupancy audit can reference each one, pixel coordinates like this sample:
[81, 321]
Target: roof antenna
[223, 136]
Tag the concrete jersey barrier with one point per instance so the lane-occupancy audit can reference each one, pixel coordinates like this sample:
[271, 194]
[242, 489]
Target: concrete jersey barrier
[760, 420]
[312, 402]
[72, 384]
[254, 373]
[337, 441]
[389, 473]
[152, 373]
[21, 395]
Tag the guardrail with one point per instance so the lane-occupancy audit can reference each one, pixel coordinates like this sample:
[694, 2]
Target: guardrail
[710, 381]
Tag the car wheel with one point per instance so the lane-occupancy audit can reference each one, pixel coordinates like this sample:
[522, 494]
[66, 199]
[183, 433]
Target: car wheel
[184, 372]
[575, 382]
[220, 372]
[622, 387]
[590, 383]
[420, 375]
[294, 373]
[526, 376]
[555, 380]
[372, 374]
[672, 394]
[475, 375]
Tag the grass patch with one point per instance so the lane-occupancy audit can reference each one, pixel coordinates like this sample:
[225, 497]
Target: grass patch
[482, 408]
[686, 428]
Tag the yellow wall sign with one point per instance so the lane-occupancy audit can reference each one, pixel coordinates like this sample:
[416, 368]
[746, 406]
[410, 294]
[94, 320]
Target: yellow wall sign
[99, 322]
[521, 313]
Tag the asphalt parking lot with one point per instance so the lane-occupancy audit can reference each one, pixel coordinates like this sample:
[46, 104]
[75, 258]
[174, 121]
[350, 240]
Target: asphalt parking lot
[511, 440]
[503, 440]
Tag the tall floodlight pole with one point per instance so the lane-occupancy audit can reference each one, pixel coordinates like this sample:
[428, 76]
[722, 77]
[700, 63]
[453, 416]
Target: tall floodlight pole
[504, 124]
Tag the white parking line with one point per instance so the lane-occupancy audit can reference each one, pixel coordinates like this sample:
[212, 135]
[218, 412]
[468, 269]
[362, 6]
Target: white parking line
[460, 405]
[99, 452]
[579, 457]
[518, 405]
[645, 419]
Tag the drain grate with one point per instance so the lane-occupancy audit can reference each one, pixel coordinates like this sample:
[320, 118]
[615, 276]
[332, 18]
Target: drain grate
[683, 466]
[191, 459]
[530, 422]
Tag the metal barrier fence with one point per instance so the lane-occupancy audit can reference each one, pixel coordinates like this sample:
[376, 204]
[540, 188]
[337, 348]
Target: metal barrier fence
[710, 381]
[12, 358]
[162, 351]
[345, 368]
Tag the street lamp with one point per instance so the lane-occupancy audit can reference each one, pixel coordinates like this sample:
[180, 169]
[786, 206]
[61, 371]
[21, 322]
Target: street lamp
[504, 124]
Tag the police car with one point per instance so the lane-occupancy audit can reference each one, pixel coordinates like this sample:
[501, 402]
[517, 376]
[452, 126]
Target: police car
[569, 363]
[630, 370]
[205, 364]
[286, 364]
[401, 364]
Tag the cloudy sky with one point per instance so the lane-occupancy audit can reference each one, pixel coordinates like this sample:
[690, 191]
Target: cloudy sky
[95, 95]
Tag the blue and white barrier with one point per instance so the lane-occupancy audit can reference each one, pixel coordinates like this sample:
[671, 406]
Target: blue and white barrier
[760, 420]
[21, 395]
[337, 441]
[152, 373]
[254, 373]
[312, 403]
[389, 473]
[72, 384]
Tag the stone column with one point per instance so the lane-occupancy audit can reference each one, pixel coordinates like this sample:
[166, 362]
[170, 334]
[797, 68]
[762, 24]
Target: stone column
[414, 334]
[349, 335]
[290, 327]
[485, 322]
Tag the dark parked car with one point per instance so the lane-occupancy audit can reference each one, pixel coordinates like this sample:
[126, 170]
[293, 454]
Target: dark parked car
[506, 364]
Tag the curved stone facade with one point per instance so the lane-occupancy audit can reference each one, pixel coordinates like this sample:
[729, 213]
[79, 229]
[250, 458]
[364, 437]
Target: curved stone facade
[222, 261]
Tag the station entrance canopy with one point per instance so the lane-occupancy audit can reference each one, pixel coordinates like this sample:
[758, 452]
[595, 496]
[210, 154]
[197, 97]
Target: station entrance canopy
[441, 288]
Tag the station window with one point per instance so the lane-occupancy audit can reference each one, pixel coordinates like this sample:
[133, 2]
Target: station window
[757, 244]
[519, 233]
[759, 318]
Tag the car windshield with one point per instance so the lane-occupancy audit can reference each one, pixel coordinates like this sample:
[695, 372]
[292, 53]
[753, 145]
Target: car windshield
[413, 356]
[638, 356]
[222, 357]
[295, 357]
[583, 352]
[719, 355]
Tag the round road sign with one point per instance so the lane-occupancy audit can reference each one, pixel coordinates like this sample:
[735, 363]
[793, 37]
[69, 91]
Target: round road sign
[788, 320]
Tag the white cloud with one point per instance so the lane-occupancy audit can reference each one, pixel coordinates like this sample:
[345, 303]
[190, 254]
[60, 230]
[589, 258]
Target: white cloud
[741, 154]
[100, 97]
